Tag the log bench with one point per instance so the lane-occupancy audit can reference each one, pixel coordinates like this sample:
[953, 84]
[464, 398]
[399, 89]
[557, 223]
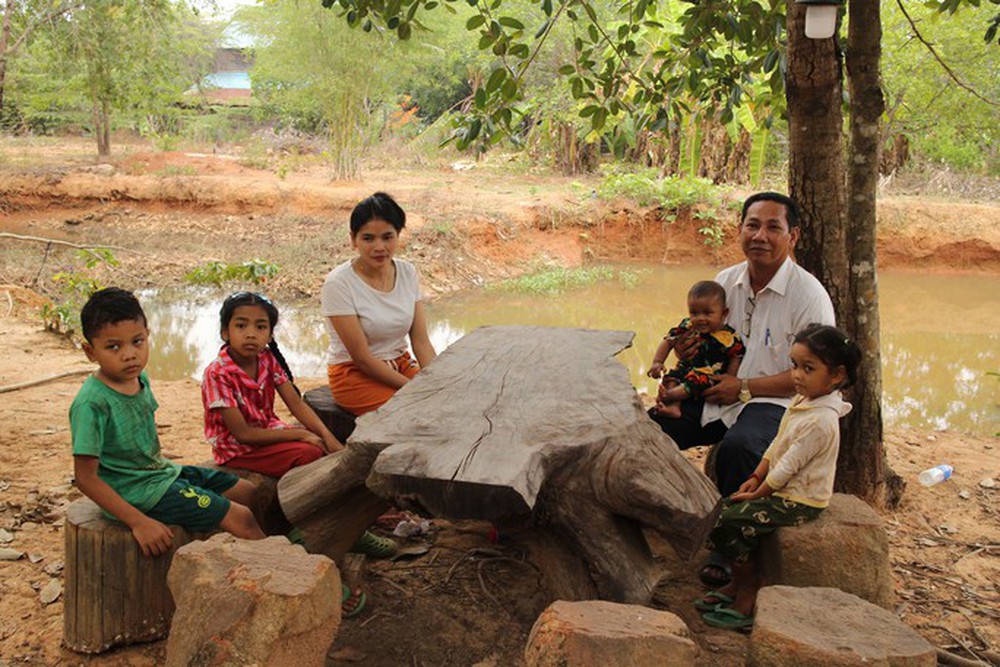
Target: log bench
[114, 595]
[340, 422]
[540, 431]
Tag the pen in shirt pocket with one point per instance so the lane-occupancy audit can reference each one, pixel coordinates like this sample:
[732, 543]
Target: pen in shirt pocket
[767, 338]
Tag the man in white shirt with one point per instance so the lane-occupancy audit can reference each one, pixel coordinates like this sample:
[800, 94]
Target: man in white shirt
[770, 298]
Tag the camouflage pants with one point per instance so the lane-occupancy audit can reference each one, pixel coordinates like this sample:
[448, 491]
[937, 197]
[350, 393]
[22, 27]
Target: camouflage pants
[741, 526]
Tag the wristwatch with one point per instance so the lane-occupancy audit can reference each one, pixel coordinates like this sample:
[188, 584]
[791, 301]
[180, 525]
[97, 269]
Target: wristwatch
[745, 394]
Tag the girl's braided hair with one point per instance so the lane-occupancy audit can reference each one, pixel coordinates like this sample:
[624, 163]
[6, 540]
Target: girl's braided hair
[833, 347]
[237, 299]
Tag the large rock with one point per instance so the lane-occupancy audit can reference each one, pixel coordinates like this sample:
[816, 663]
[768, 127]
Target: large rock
[595, 633]
[826, 627]
[245, 602]
[845, 548]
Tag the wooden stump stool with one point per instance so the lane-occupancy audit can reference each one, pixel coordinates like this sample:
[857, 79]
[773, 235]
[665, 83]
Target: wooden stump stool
[337, 419]
[114, 594]
[268, 512]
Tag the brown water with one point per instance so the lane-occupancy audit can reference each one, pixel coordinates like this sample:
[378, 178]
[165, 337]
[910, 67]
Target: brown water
[940, 335]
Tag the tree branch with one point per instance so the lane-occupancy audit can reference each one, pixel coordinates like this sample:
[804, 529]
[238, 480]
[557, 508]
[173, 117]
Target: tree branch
[88, 248]
[930, 47]
[30, 28]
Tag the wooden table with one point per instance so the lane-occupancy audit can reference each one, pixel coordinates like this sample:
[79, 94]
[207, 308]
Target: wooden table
[540, 431]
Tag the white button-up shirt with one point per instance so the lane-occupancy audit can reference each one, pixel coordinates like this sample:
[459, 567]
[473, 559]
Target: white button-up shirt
[768, 322]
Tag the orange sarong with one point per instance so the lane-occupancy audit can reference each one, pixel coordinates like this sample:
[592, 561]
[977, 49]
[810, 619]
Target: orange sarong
[357, 393]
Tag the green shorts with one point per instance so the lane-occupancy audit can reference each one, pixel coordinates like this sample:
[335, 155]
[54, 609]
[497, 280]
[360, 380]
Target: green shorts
[195, 501]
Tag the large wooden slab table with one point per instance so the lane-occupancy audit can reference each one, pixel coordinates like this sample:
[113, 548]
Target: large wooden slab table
[537, 429]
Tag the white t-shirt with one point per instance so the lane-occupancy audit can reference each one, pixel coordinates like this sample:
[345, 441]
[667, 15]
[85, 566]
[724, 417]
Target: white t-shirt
[793, 299]
[386, 317]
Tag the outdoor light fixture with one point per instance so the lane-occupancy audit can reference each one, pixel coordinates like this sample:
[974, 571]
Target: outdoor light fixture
[821, 17]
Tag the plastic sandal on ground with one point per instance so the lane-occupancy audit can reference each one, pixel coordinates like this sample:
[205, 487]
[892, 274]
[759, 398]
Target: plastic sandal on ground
[372, 545]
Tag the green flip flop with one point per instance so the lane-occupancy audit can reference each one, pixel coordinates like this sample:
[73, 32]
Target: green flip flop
[728, 619]
[372, 545]
[347, 594]
[701, 603]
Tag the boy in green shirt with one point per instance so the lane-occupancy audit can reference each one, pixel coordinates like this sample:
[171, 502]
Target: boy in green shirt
[116, 451]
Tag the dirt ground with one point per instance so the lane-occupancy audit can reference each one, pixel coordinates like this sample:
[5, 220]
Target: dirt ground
[468, 601]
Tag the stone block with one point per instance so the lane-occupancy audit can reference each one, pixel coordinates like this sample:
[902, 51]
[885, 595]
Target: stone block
[826, 627]
[247, 602]
[845, 548]
[595, 633]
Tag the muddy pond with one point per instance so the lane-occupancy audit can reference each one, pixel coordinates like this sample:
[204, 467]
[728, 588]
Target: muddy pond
[940, 334]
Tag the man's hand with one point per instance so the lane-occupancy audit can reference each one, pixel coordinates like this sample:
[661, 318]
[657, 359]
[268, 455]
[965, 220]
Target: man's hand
[686, 345]
[154, 538]
[725, 391]
[656, 370]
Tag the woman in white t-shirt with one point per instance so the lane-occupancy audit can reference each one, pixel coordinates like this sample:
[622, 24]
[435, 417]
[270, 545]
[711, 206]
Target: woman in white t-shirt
[373, 305]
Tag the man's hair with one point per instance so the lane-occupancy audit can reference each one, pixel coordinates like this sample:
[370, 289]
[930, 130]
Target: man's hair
[708, 288]
[791, 207]
[109, 306]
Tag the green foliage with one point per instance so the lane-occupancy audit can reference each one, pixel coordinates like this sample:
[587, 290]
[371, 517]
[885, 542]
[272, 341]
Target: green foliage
[318, 75]
[255, 271]
[130, 58]
[75, 285]
[647, 188]
[557, 280]
[944, 122]
[712, 230]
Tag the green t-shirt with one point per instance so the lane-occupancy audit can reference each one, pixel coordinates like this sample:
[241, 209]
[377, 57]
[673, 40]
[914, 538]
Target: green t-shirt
[120, 431]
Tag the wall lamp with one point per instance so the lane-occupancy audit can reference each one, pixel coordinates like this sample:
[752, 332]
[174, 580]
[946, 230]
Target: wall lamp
[821, 17]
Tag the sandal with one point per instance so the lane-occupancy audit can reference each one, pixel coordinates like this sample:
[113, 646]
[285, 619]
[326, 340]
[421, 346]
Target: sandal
[728, 619]
[372, 545]
[346, 595]
[702, 603]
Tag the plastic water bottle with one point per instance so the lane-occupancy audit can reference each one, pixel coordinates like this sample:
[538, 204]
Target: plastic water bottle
[932, 476]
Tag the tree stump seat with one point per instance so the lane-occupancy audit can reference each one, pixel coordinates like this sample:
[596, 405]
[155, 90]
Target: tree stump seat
[113, 594]
[535, 427]
[845, 548]
[268, 512]
[337, 419]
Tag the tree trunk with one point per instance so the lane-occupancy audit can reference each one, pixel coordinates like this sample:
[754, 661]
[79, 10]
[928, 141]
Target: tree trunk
[817, 180]
[102, 128]
[815, 156]
[4, 45]
[862, 466]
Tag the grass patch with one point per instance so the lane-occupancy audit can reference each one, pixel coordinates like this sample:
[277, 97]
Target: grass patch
[560, 279]
[647, 188]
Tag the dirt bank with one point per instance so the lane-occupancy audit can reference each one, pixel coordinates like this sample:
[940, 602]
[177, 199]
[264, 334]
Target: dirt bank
[167, 213]
[468, 601]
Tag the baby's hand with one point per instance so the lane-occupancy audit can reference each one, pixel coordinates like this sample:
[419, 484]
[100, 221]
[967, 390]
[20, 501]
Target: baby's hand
[656, 370]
